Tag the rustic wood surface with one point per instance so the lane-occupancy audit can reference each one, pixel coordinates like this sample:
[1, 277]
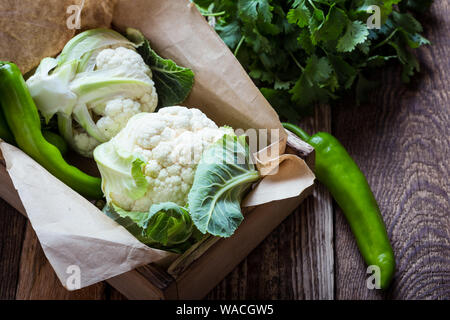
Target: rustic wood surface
[401, 141]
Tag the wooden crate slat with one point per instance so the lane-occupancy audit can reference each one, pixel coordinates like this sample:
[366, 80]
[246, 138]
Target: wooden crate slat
[207, 271]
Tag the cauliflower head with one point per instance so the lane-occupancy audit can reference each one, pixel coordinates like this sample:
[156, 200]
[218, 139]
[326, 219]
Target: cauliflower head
[154, 158]
[115, 113]
[95, 86]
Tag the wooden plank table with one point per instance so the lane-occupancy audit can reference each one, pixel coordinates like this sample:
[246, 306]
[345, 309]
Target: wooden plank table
[401, 140]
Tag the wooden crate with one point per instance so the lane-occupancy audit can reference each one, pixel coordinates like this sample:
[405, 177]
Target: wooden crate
[193, 274]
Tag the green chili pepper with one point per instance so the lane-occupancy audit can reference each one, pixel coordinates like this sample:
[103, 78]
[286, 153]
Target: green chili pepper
[5, 132]
[53, 138]
[56, 140]
[22, 116]
[340, 174]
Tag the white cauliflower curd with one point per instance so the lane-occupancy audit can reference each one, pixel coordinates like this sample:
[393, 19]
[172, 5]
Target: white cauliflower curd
[154, 158]
[116, 112]
[95, 86]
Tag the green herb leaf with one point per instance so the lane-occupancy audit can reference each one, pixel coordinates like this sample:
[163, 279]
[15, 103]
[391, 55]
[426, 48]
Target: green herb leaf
[305, 42]
[356, 32]
[299, 15]
[317, 70]
[230, 33]
[280, 100]
[251, 10]
[407, 22]
[332, 26]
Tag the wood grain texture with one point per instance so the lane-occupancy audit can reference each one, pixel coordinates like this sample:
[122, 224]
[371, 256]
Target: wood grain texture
[12, 231]
[401, 140]
[296, 260]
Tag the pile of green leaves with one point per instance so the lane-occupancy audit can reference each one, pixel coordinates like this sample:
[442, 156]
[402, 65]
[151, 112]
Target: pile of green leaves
[299, 52]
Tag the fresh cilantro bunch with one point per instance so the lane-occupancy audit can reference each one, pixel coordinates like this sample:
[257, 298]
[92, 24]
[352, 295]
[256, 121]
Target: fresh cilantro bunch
[299, 52]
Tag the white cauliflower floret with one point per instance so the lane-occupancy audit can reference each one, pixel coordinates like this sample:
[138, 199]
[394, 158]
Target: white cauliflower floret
[170, 143]
[115, 113]
[121, 56]
[94, 86]
[83, 141]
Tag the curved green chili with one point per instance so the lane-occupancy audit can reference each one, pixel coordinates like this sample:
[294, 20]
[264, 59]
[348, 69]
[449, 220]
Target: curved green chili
[5, 132]
[340, 174]
[56, 140]
[53, 138]
[23, 119]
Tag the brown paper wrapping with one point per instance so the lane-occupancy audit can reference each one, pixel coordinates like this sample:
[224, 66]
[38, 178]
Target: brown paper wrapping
[222, 90]
[32, 30]
[71, 230]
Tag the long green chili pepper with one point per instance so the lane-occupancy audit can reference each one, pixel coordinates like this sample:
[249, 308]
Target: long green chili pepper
[22, 117]
[5, 132]
[340, 174]
[56, 140]
[53, 138]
